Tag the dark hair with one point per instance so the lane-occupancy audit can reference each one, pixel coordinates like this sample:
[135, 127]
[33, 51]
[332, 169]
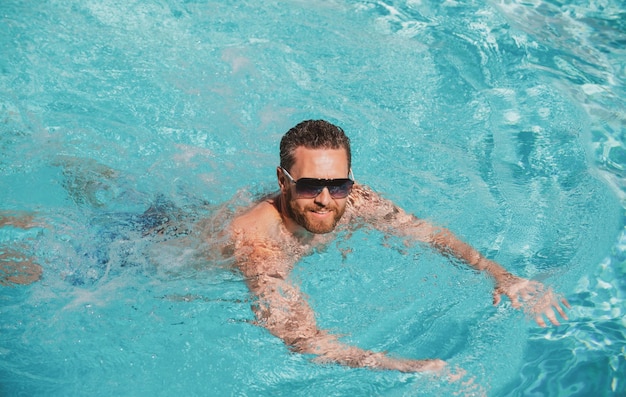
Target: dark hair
[312, 134]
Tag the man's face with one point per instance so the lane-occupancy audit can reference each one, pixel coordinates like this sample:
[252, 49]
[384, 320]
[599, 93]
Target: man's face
[321, 213]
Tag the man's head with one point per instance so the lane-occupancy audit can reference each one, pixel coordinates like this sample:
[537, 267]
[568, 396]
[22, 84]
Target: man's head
[313, 134]
[319, 152]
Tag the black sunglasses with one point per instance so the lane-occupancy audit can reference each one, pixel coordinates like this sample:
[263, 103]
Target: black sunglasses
[312, 187]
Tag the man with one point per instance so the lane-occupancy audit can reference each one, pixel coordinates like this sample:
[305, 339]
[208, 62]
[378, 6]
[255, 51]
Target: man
[317, 195]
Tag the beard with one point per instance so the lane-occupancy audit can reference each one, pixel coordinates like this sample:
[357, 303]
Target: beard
[305, 218]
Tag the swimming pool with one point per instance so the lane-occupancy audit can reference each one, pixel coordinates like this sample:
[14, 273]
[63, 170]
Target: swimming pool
[501, 120]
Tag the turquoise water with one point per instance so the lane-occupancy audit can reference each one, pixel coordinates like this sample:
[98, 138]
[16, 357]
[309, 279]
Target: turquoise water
[501, 120]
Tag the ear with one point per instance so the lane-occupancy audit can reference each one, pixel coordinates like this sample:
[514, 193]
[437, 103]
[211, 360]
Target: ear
[281, 179]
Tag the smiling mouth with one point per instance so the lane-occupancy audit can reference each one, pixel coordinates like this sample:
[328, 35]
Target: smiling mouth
[321, 212]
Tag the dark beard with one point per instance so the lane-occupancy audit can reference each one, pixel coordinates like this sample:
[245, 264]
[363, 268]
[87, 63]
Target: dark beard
[302, 220]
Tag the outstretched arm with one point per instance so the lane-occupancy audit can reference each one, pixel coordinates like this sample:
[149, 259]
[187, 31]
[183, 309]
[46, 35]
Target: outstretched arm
[531, 296]
[281, 308]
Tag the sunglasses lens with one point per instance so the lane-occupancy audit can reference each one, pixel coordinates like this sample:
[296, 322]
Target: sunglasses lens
[306, 190]
[341, 191]
[310, 188]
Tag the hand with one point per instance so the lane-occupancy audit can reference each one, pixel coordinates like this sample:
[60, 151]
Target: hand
[537, 300]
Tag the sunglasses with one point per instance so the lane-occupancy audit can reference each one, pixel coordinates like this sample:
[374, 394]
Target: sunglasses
[312, 187]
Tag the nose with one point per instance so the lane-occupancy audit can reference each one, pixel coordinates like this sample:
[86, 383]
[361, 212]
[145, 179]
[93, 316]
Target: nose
[323, 198]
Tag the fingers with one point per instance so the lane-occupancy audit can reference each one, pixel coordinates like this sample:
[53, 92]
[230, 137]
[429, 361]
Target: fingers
[514, 301]
[560, 310]
[551, 315]
[565, 303]
[537, 301]
[540, 321]
[496, 298]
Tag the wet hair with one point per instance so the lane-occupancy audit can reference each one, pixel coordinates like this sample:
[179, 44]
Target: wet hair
[312, 134]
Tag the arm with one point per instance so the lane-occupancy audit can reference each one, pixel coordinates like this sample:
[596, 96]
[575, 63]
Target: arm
[536, 299]
[281, 308]
[533, 297]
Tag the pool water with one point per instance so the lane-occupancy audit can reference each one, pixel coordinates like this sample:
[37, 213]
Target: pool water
[501, 120]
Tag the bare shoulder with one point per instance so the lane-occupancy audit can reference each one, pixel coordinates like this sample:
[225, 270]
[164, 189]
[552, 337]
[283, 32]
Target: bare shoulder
[384, 214]
[257, 242]
[258, 221]
[366, 203]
